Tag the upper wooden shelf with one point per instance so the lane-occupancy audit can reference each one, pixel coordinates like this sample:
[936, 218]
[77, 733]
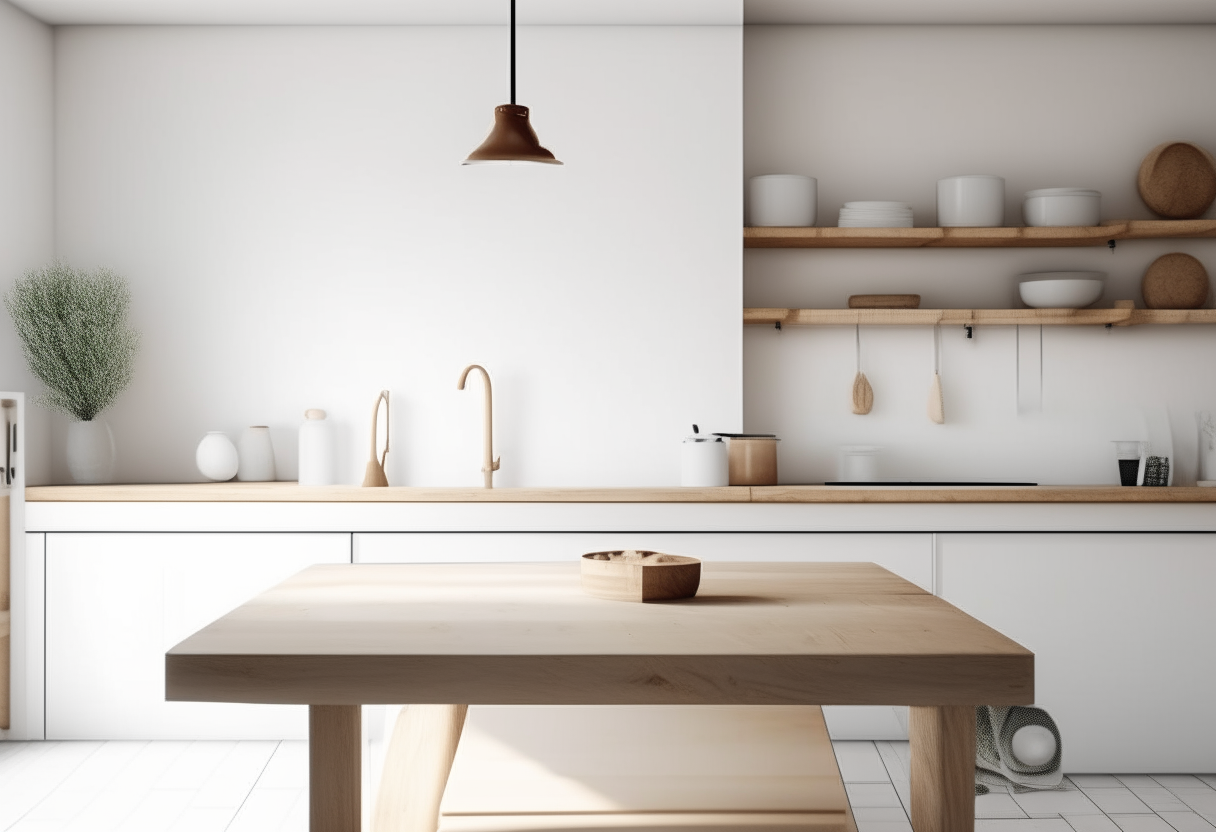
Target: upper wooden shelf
[976, 237]
[1122, 315]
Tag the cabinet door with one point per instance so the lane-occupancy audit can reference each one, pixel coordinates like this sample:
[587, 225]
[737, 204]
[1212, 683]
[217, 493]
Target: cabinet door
[907, 555]
[1121, 627]
[116, 602]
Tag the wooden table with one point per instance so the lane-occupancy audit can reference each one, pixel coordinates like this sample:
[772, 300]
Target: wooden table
[337, 637]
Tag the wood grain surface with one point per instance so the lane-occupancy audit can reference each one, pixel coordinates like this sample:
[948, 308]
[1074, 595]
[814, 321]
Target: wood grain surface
[416, 767]
[755, 634]
[976, 237]
[335, 774]
[286, 492]
[943, 768]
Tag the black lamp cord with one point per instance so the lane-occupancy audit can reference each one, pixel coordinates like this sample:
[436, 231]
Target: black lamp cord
[512, 52]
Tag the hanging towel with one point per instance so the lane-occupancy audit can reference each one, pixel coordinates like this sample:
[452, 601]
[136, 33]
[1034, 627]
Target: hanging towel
[995, 763]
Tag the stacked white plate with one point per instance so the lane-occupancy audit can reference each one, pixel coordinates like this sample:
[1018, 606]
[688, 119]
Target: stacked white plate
[876, 215]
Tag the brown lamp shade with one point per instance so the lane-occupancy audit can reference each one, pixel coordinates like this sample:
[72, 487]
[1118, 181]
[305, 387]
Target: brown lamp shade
[512, 139]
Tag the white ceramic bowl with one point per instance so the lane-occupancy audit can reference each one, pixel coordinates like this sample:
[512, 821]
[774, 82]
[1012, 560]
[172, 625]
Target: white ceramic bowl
[974, 201]
[1062, 206]
[782, 199]
[1060, 290]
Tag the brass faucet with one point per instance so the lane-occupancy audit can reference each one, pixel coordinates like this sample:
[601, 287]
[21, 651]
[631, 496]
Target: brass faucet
[491, 464]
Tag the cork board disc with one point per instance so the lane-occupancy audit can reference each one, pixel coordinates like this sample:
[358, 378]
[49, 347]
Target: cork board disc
[1175, 281]
[1178, 180]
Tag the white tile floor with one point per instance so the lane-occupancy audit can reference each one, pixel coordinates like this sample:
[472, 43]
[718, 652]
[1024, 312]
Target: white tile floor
[263, 786]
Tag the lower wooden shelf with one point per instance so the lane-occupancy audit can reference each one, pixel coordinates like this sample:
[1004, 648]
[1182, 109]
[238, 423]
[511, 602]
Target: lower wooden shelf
[1123, 314]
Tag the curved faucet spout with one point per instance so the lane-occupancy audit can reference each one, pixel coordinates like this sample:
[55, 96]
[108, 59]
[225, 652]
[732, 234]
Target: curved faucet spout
[491, 464]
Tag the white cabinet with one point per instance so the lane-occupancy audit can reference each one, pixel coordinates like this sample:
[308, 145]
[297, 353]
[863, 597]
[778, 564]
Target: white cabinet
[907, 555]
[1121, 626]
[116, 602]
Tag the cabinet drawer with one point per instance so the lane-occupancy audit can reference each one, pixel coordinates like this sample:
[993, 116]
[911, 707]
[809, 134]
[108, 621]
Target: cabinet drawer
[116, 602]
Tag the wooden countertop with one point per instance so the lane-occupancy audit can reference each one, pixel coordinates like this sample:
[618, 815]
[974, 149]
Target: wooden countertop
[287, 492]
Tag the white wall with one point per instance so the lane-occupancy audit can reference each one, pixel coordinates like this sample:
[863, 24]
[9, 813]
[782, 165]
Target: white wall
[882, 112]
[290, 209]
[26, 192]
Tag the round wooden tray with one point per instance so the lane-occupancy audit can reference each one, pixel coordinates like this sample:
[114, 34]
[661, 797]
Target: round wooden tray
[639, 575]
[1178, 180]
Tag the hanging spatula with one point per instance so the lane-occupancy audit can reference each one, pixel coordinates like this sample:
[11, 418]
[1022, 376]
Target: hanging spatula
[937, 407]
[863, 393]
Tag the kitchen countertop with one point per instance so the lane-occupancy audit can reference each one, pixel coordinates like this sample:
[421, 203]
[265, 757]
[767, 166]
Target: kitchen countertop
[287, 492]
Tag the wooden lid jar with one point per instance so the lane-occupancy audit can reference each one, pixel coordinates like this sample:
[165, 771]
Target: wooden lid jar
[752, 458]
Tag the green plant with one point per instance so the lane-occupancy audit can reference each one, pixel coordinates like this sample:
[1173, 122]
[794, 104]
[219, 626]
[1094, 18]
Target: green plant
[74, 333]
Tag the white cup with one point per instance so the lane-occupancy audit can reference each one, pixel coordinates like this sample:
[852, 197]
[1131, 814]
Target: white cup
[703, 463]
[782, 199]
[858, 463]
[976, 201]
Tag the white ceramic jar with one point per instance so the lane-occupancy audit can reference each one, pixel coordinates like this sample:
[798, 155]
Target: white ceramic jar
[216, 457]
[972, 201]
[858, 463]
[704, 462]
[782, 199]
[317, 464]
[1062, 207]
[256, 455]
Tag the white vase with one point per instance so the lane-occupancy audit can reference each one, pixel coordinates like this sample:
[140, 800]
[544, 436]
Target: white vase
[216, 457]
[256, 463]
[1207, 445]
[90, 451]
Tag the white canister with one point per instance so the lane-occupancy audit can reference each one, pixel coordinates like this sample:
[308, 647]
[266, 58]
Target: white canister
[703, 462]
[858, 463]
[782, 199]
[1062, 207]
[256, 463]
[973, 201]
[317, 464]
[216, 457]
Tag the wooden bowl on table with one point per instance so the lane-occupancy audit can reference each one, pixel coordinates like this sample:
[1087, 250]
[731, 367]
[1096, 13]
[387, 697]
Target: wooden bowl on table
[639, 575]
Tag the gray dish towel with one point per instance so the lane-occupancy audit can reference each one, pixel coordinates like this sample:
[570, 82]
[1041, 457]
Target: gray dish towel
[995, 764]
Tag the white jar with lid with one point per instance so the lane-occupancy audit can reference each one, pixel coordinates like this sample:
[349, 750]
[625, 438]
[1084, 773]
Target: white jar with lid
[317, 463]
[703, 461]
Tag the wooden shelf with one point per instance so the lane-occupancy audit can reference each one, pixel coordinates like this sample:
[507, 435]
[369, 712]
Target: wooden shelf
[1122, 315]
[976, 237]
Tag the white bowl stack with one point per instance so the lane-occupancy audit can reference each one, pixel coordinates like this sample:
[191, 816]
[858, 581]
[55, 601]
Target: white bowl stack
[876, 215]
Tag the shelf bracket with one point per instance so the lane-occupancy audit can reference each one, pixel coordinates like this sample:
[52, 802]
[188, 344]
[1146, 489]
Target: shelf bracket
[778, 325]
[969, 329]
[1110, 244]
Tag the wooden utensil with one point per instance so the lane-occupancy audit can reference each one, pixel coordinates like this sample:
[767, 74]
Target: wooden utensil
[863, 393]
[1178, 180]
[937, 410]
[884, 301]
[375, 477]
[1175, 281]
[633, 575]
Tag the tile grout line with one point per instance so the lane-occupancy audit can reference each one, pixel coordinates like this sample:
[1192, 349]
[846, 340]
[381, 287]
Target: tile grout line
[277, 745]
[890, 779]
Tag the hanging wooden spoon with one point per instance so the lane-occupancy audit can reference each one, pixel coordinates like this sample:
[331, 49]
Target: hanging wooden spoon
[863, 394]
[937, 408]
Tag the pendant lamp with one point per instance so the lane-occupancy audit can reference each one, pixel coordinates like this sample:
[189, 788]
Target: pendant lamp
[512, 139]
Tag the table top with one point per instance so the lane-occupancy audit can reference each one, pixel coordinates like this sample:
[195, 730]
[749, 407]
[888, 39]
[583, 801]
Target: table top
[772, 633]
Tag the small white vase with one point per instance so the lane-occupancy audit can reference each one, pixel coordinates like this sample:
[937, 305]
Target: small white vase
[90, 452]
[256, 454]
[216, 457]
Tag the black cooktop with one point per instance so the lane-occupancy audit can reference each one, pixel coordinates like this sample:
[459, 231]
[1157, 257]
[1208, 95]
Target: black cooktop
[937, 484]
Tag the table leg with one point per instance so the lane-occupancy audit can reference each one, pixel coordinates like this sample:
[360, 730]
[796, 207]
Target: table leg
[335, 777]
[943, 768]
[416, 767]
